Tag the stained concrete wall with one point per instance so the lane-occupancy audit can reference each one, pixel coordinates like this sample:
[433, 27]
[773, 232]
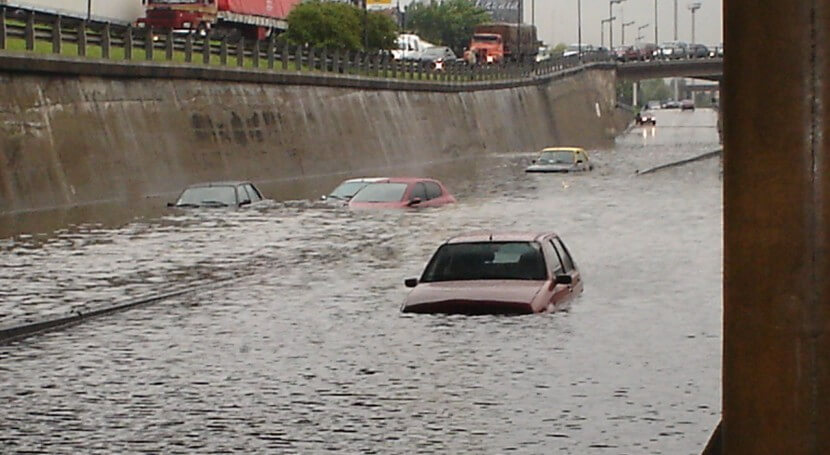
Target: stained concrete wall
[69, 141]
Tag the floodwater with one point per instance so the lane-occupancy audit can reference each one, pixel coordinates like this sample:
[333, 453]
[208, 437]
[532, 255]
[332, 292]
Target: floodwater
[304, 350]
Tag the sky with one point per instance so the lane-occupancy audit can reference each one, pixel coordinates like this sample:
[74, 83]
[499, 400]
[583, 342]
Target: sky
[557, 20]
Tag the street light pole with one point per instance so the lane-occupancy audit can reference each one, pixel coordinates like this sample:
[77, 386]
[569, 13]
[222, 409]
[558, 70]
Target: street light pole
[675, 20]
[611, 25]
[602, 28]
[694, 7]
[579, 26]
[640, 29]
[89, 10]
[624, 25]
[656, 40]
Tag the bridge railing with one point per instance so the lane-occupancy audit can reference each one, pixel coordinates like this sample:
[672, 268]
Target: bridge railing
[28, 31]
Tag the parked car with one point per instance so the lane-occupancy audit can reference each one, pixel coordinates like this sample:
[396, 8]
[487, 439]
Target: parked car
[438, 57]
[671, 104]
[698, 51]
[349, 188]
[646, 51]
[687, 105]
[646, 118]
[218, 194]
[496, 273]
[402, 192]
[561, 159]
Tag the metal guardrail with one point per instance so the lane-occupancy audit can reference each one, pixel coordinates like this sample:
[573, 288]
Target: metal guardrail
[25, 30]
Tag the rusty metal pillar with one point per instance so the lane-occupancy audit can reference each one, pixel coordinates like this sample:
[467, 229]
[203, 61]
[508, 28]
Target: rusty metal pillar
[776, 372]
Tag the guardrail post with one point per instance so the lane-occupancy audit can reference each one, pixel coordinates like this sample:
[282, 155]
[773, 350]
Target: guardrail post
[149, 44]
[272, 44]
[168, 46]
[2, 28]
[298, 58]
[335, 61]
[106, 40]
[312, 59]
[82, 39]
[394, 64]
[255, 54]
[128, 43]
[188, 48]
[240, 52]
[284, 54]
[324, 60]
[206, 49]
[223, 51]
[56, 35]
[356, 65]
[30, 31]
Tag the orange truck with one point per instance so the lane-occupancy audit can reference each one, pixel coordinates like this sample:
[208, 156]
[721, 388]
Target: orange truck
[501, 41]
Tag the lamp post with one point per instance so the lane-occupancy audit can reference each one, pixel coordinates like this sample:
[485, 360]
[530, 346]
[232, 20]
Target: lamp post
[675, 20]
[693, 7]
[640, 29]
[602, 28]
[624, 25]
[656, 40]
[611, 26]
[89, 10]
[579, 27]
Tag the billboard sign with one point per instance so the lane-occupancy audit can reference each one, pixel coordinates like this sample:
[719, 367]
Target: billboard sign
[501, 10]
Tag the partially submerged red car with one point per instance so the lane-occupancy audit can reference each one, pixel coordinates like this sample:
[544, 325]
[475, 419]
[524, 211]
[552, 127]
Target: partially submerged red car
[496, 273]
[402, 192]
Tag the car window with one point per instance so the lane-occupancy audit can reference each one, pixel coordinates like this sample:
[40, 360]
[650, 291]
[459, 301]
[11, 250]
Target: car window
[433, 190]
[557, 157]
[486, 261]
[208, 195]
[253, 192]
[419, 191]
[243, 194]
[381, 192]
[560, 268]
[566, 256]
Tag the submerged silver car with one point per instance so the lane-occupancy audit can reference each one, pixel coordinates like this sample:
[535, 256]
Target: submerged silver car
[561, 159]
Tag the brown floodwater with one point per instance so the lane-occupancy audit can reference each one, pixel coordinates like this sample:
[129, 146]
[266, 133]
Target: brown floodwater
[305, 349]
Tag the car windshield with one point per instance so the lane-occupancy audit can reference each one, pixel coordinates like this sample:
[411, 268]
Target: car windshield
[208, 195]
[347, 189]
[486, 261]
[381, 192]
[557, 157]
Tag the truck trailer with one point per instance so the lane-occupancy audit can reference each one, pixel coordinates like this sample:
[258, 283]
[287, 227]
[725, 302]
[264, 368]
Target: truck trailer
[503, 41]
[253, 19]
[114, 11]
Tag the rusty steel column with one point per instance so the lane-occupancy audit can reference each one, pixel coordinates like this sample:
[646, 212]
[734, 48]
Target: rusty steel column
[776, 372]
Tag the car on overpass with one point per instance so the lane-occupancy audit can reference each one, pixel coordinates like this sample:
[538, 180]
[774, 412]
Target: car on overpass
[218, 195]
[561, 159]
[698, 51]
[496, 273]
[673, 50]
[401, 193]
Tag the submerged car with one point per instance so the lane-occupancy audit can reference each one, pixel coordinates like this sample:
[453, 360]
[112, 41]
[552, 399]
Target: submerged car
[402, 192]
[496, 273]
[218, 194]
[687, 105]
[646, 118]
[348, 188]
[561, 159]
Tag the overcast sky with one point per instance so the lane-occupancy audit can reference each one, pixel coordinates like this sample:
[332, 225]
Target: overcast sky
[556, 20]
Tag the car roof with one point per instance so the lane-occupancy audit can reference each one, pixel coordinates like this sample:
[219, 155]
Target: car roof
[409, 180]
[496, 236]
[563, 149]
[365, 180]
[220, 183]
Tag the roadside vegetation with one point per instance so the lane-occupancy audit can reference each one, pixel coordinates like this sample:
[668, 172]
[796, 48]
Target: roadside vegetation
[339, 26]
[448, 23]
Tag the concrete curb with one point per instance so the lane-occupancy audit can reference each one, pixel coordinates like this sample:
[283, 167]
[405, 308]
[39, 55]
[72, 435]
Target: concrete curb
[82, 66]
[702, 157]
[19, 330]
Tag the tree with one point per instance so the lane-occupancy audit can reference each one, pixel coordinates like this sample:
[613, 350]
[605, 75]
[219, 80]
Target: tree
[334, 25]
[450, 22]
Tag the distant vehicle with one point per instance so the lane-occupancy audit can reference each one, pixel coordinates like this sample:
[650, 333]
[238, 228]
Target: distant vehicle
[674, 50]
[646, 51]
[348, 188]
[561, 159]
[122, 12]
[402, 192]
[671, 104]
[653, 104]
[218, 194]
[409, 47]
[716, 51]
[543, 54]
[646, 118]
[252, 19]
[496, 273]
[687, 105]
[500, 41]
[574, 49]
[437, 57]
[698, 51]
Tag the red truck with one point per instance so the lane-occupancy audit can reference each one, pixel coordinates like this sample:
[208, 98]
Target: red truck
[499, 41]
[253, 19]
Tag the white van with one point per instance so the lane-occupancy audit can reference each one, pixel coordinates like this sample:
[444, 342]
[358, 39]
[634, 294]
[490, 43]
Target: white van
[409, 47]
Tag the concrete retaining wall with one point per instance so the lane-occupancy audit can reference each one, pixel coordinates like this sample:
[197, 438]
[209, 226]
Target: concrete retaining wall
[71, 140]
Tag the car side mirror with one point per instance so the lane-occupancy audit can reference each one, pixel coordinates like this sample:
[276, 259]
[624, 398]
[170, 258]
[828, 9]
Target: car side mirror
[323, 197]
[564, 279]
[245, 202]
[171, 204]
[414, 201]
[410, 282]
[533, 162]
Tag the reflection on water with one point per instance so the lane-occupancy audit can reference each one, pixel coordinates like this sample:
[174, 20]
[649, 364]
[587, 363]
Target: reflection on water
[306, 350]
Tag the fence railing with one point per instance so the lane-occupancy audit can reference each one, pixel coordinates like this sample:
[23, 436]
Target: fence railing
[29, 31]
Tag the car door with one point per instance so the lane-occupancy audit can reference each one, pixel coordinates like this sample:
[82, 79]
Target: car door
[570, 266]
[560, 294]
[419, 191]
[434, 193]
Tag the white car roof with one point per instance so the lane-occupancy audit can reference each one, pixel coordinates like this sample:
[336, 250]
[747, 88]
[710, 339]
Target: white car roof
[366, 179]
